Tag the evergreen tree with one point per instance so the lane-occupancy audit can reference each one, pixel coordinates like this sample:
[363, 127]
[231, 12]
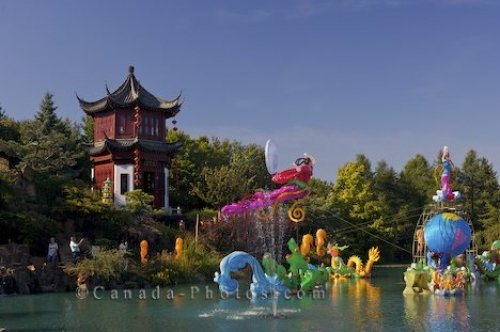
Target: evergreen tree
[51, 145]
[396, 219]
[419, 182]
[88, 129]
[478, 183]
[490, 223]
[46, 116]
[9, 137]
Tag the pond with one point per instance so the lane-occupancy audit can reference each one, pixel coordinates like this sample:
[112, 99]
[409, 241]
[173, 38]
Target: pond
[364, 305]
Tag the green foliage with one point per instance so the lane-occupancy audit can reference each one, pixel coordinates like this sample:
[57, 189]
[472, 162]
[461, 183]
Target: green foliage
[203, 214]
[186, 172]
[211, 172]
[51, 145]
[317, 207]
[49, 190]
[28, 227]
[106, 265]
[80, 199]
[106, 244]
[139, 202]
[478, 183]
[197, 263]
[490, 223]
[6, 192]
[93, 217]
[46, 117]
[9, 138]
[388, 200]
[245, 173]
[419, 181]
[9, 129]
[88, 129]
[352, 193]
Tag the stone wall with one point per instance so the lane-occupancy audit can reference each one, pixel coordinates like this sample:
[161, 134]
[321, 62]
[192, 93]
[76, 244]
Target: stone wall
[22, 274]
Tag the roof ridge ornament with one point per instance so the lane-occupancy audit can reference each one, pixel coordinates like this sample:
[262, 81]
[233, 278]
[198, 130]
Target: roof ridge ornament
[107, 89]
[131, 70]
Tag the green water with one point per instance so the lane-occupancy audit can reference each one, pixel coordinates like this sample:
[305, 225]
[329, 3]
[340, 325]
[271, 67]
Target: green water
[365, 305]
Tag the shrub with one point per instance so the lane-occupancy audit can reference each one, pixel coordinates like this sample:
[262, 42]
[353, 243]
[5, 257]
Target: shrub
[198, 262]
[106, 265]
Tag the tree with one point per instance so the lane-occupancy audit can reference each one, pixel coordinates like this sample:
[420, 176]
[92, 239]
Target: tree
[245, 174]
[388, 198]
[352, 193]
[46, 116]
[351, 202]
[195, 173]
[5, 192]
[49, 153]
[478, 183]
[490, 223]
[9, 129]
[88, 129]
[316, 202]
[396, 220]
[184, 172]
[419, 182]
[9, 137]
[139, 203]
[50, 144]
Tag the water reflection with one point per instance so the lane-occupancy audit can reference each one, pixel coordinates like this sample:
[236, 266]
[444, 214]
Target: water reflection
[360, 301]
[416, 307]
[437, 313]
[351, 305]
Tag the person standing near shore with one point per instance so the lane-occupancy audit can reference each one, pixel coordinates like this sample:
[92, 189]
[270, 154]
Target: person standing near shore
[52, 251]
[122, 249]
[75, 249]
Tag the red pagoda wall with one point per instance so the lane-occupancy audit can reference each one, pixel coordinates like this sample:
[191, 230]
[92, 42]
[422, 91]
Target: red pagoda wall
[120, 124]
[157, 168]
[101, 173]
[104, 125]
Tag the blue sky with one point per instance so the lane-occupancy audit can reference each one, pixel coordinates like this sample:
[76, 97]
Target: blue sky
[387, 78]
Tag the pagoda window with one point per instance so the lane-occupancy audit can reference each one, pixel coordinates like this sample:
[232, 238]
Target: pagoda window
[122, 125]
[130, 123]
[148, 182]
[123, 183]
[146, 123]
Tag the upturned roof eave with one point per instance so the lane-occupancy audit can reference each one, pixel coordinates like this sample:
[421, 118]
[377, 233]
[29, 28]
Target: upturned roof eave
[120, 145]
[130, 94]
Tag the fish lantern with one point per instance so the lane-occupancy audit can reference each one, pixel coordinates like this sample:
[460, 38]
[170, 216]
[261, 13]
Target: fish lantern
[447, 235]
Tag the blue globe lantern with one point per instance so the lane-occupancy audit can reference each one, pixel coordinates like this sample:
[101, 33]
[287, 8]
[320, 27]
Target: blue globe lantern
[447, 235]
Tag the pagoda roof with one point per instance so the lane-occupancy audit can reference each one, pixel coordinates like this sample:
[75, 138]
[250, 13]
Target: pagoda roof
[130, 94]
[116, 145]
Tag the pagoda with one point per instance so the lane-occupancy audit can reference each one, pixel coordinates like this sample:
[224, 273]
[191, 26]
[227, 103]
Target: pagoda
[129, 148]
